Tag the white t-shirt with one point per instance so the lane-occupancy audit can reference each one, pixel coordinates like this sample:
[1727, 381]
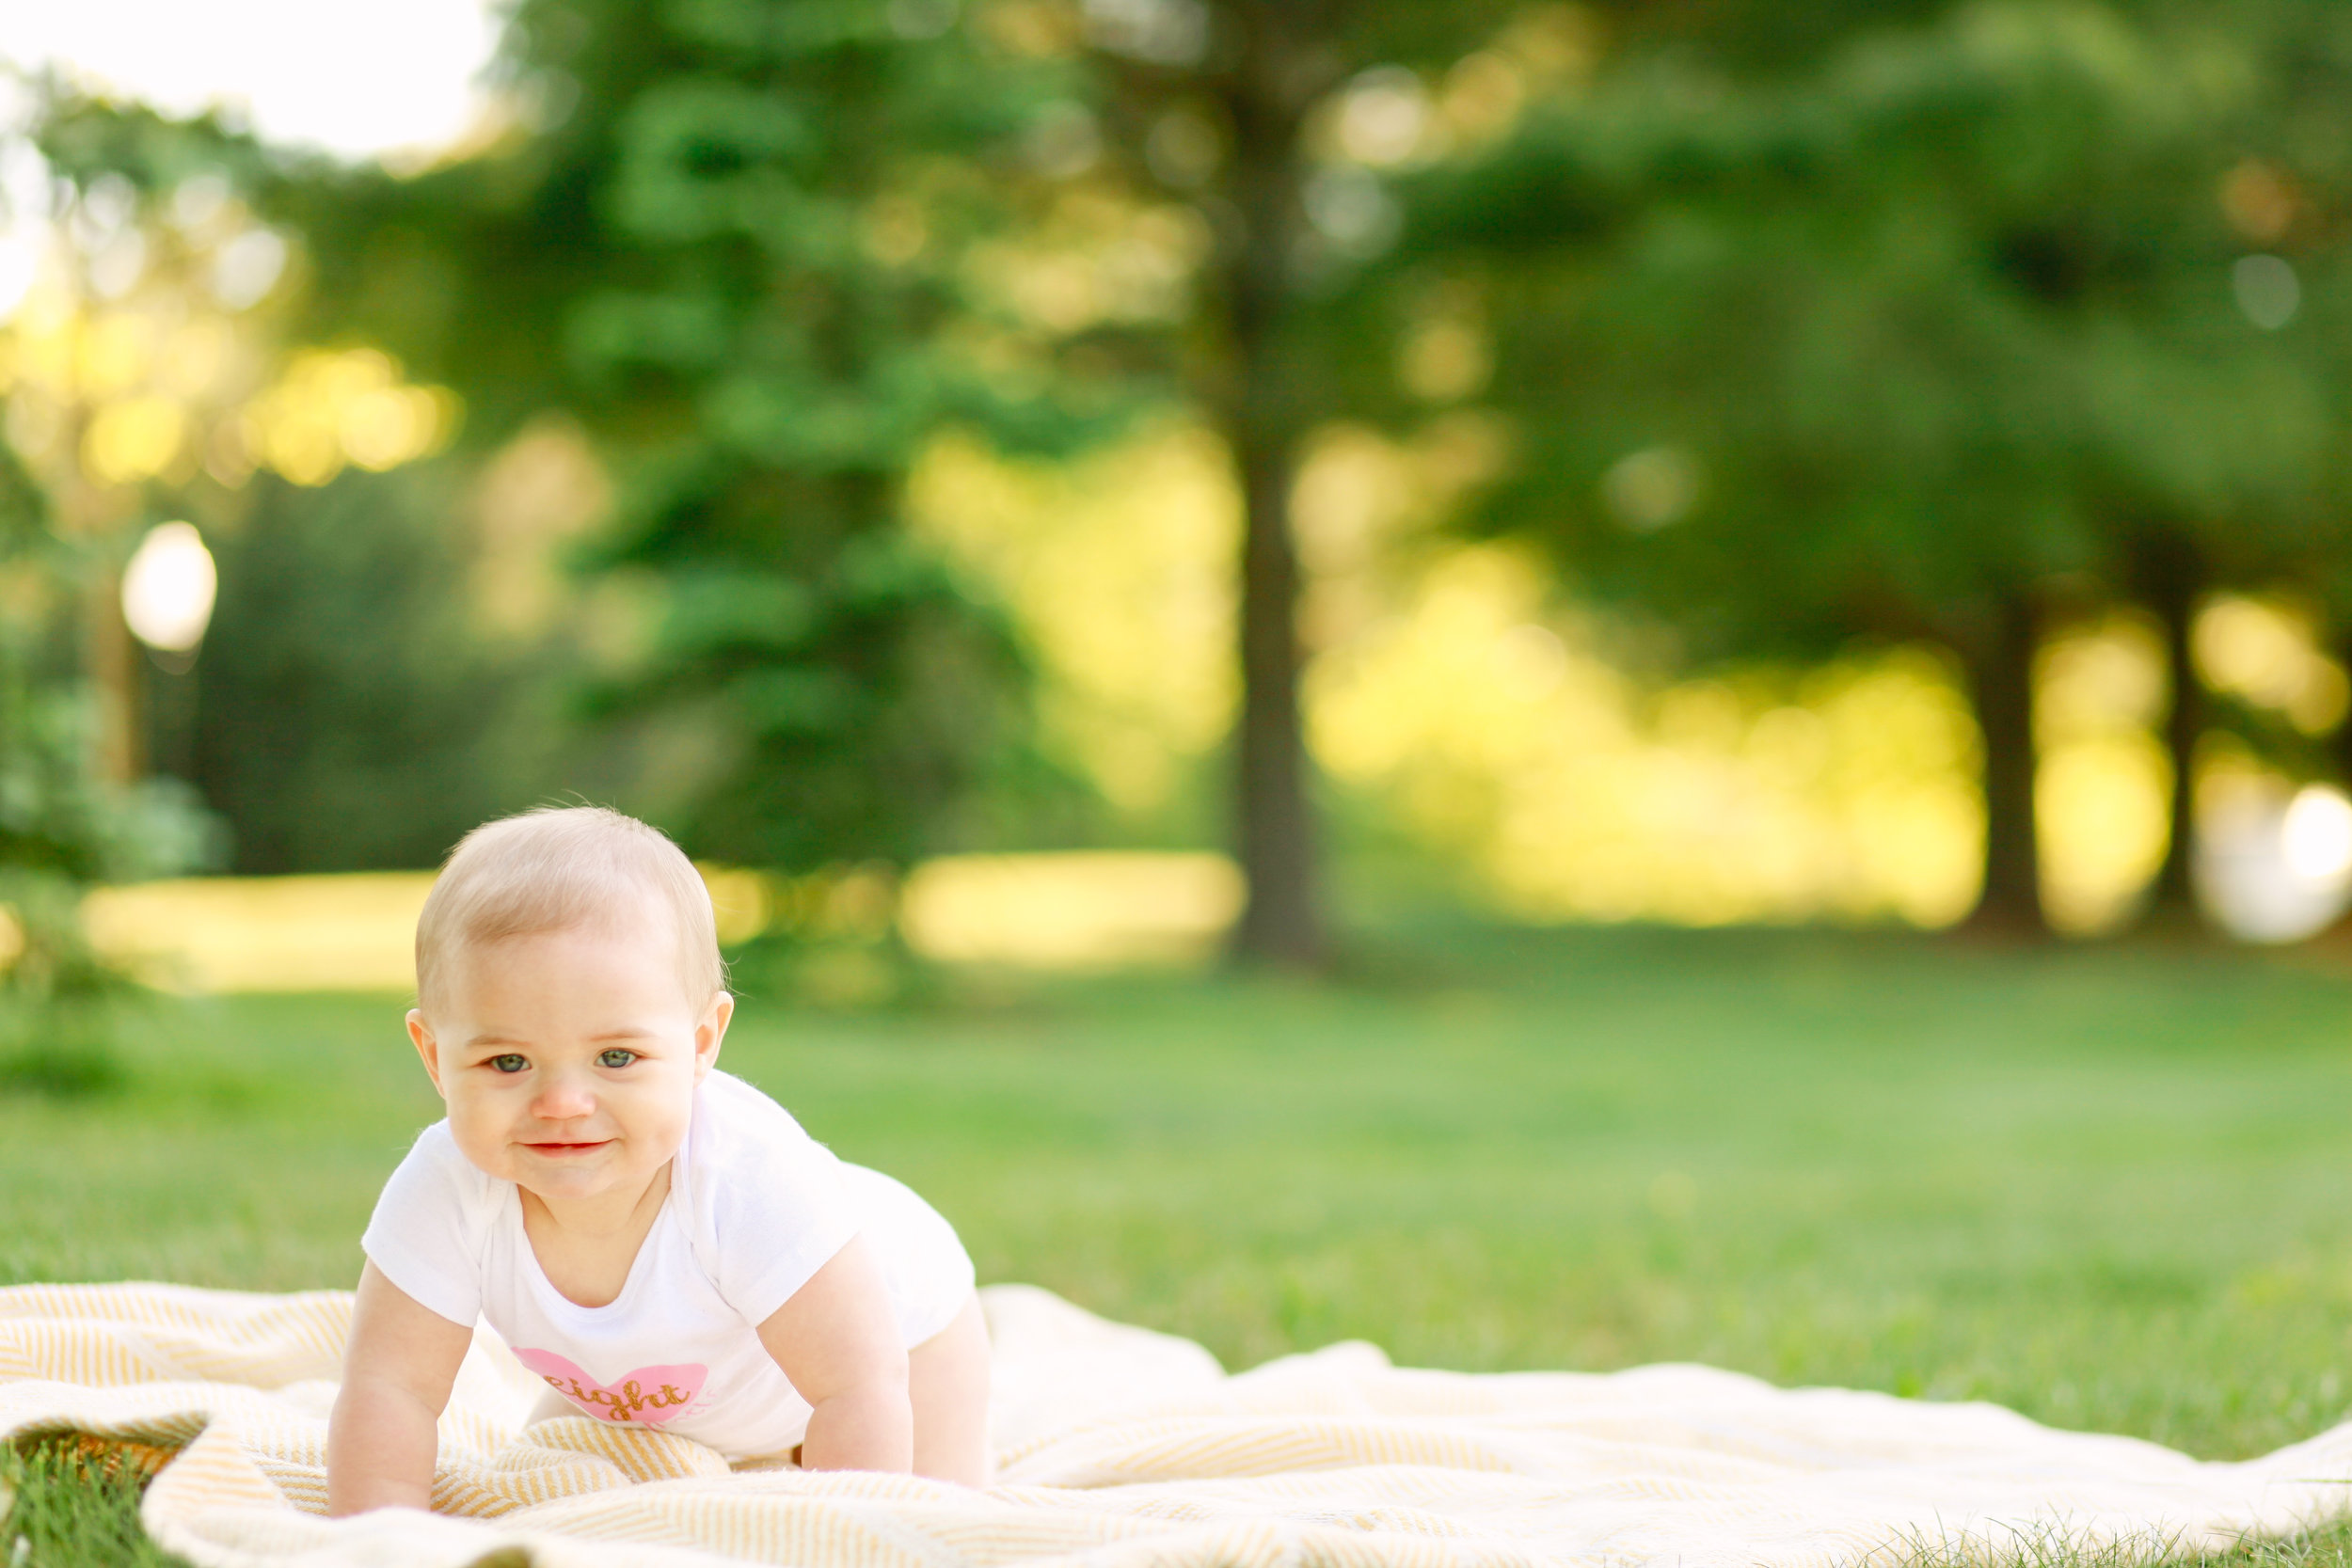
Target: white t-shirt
[756, 1207]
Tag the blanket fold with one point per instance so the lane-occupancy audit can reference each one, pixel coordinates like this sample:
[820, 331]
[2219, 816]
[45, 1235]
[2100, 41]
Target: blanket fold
[1119, 1448]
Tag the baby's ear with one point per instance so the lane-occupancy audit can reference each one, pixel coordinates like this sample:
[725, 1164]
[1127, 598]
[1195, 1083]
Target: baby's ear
[428, 1049]
[711, 1032]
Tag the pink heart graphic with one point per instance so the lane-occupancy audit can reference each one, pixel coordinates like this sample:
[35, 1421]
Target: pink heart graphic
[650, 1395]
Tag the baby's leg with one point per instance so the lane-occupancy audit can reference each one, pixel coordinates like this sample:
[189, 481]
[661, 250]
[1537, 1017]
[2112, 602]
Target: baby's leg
[947, 1384]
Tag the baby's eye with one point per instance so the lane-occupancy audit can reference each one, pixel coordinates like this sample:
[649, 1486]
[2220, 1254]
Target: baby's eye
[511, 1062]
[615, 1057]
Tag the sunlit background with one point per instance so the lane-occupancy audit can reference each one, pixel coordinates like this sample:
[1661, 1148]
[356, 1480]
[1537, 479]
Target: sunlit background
[1507, 740]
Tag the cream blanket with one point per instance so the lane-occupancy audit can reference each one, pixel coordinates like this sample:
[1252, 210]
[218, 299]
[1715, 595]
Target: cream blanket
[1119, 1448]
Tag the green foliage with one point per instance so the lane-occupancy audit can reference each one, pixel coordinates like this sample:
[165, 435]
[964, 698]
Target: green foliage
[87, 139]
[1962, 317]
[58, 818]
[677, 245]
[352, 713]
[1939, 311]
[63, 825]
[683, 256]
[768, 382]
[1890, 322]
[352, 708]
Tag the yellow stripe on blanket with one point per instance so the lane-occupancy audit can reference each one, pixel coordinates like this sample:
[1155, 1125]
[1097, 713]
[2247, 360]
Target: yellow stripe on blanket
[1118, 1447]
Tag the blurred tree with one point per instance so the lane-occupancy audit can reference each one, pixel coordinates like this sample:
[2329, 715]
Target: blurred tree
[122, 361]
[1922, 331]
[1275, 123]
[726, 236]
[1922, 321]
[729, 237]
[765, 248]
[151, 375]
[63, 824]
[349, 713]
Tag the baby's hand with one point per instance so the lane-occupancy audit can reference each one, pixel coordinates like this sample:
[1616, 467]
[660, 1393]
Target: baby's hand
[398, 1370]
[837, 1339]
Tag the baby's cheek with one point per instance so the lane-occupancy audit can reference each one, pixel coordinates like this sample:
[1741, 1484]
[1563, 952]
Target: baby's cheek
[477, 1136]
[658, 1139]
[662, 1118]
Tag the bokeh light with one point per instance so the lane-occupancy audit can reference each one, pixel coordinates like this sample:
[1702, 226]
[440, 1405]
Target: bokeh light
[1383, 116]
[332, 409]
[1494, 724]
[168, 588]
[1651, 488]
[1071, 912]
[1115, 568]
[2268, 290]
[2105, 789]
[2316, 834]
[2267, 653]
[2274, 861]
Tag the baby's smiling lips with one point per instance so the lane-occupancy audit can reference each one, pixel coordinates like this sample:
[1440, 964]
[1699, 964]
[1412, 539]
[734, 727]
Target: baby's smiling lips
[566, 1150]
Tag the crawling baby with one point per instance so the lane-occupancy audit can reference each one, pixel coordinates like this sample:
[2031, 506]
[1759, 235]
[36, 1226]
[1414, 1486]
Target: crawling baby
[658, 1240]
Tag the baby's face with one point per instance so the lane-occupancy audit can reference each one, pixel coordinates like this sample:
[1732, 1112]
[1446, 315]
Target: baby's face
[568, 1059]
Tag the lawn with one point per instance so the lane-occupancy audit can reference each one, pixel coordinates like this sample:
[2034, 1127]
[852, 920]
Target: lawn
[2108, 1186]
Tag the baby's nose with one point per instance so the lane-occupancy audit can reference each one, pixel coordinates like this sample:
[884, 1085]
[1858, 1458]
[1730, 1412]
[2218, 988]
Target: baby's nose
[563, 1101]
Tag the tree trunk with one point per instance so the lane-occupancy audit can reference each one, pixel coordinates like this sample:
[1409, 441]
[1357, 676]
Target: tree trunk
[114, 663]
[2001, 670]
[2340, 742]
[2169, 578]
[1260, 410]
[87, 514]
[1274, 816]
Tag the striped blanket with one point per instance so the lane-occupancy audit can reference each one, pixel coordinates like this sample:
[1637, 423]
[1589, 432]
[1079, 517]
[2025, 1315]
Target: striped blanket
[1121, 1448]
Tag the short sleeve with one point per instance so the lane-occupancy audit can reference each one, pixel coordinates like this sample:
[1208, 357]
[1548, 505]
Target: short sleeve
[424, 1236]
[772, 1198]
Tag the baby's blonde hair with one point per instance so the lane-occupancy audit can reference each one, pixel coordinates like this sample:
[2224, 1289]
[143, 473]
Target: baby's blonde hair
[565, 868]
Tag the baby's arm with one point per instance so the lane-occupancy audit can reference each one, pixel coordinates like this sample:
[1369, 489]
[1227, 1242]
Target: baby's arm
[397, 1375]
[837, 1339]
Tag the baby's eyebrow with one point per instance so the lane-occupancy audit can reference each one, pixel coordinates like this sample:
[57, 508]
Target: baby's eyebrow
[625, 1032]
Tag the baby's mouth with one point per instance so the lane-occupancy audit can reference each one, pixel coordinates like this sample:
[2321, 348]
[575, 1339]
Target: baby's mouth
[562, 1150]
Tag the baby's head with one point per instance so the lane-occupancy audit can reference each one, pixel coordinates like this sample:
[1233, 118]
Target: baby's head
[569, 868]
[570, 997]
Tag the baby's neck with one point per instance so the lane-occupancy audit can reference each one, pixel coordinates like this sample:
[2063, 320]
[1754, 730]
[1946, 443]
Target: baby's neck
[587, 1246]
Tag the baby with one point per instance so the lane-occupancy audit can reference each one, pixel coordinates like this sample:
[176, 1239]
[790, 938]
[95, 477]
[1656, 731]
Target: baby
[659, 1242]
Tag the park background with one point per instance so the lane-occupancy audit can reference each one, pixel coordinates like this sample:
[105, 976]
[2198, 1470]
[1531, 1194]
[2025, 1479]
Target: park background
[1557, 683]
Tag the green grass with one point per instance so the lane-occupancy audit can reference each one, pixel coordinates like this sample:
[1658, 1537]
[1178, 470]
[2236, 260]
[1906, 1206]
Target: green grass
[2327, 1547]
[70, 1507]
[2110, 1187]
